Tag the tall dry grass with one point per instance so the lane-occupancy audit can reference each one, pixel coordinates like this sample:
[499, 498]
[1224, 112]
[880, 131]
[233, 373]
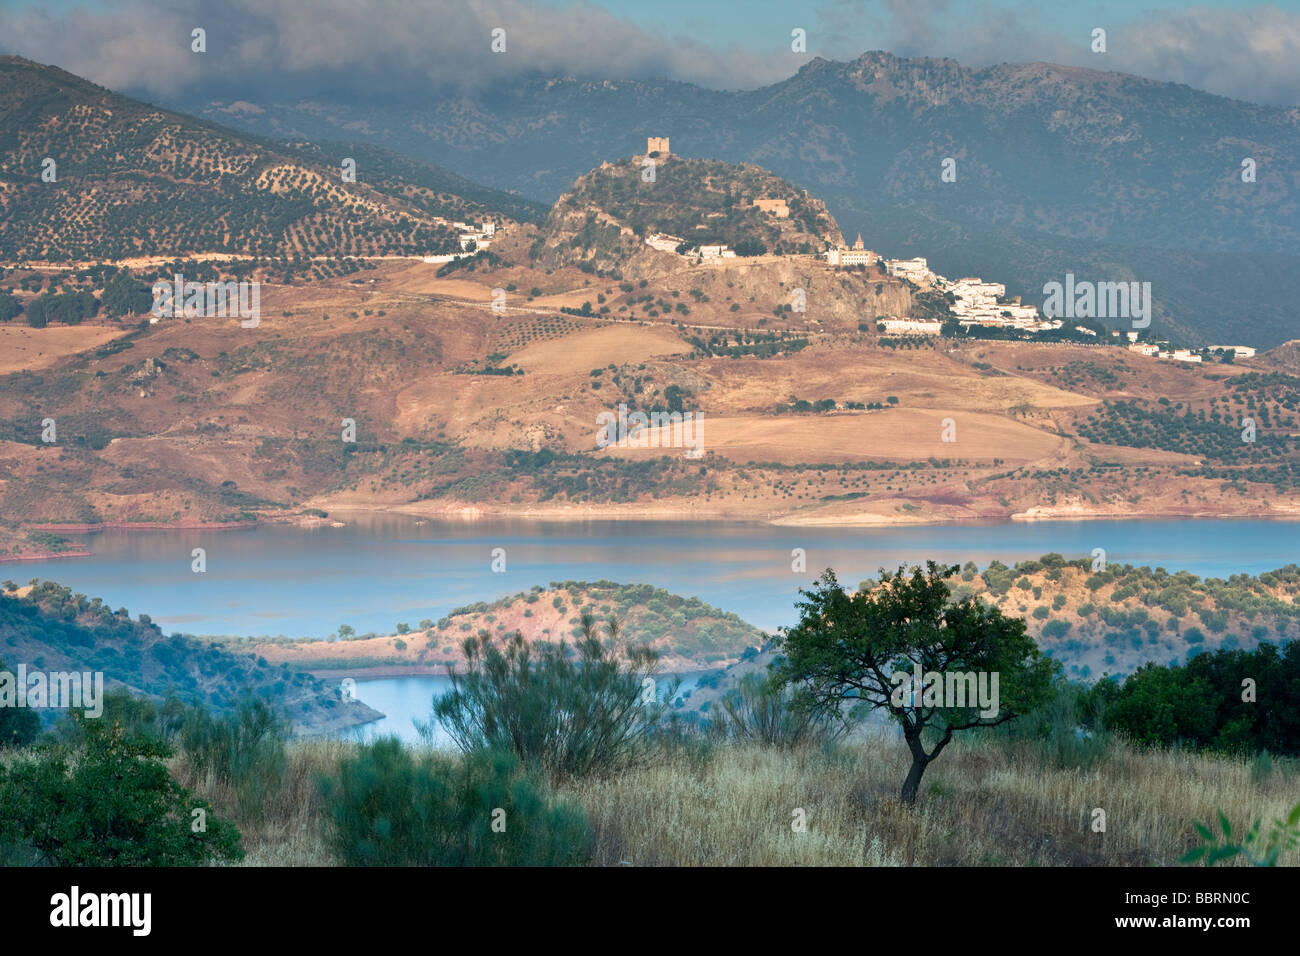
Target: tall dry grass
[289, 829]
[981, 803]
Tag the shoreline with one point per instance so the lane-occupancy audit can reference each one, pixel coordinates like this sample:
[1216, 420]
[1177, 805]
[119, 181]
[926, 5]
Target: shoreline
[586, 514]
[377, 673]
[577, 514]
[71, 528]
[44, 556]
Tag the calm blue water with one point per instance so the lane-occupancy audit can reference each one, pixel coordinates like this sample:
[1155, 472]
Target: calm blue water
[380, 570]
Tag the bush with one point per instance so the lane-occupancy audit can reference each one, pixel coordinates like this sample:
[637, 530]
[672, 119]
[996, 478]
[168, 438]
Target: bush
[1259, 846]
[389, 809]
[113, 805]
[567, 713]
[133, 716]
[1262, 767]
[19, 726]
[1056, 628]
[758, 710]
[9, 306]
[245, 749]
[1067, 729]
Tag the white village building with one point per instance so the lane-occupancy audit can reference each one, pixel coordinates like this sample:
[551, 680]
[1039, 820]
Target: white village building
[918, 270]
[663, 242]
[914, 326]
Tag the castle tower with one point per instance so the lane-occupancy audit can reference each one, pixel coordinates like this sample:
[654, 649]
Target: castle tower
[656, 144]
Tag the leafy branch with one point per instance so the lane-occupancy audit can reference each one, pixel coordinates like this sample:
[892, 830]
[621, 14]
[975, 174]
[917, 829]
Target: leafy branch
[1260, 848]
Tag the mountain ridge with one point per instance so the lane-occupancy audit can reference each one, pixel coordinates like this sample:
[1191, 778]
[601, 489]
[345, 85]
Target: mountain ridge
[1057, 168]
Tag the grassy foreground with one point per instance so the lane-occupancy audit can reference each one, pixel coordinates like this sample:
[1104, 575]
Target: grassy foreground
[987, 802]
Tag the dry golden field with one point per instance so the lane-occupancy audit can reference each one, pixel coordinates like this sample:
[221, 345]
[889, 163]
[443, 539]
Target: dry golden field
[981, 804]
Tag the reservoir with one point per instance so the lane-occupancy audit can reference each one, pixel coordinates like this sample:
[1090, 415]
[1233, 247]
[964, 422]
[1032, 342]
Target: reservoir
[379, 570]
[382, 569]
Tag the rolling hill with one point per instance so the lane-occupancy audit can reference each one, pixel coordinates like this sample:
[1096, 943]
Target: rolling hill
[477, 384]
[48, 628]
[686, 632]
[88, 174]
[811, 418]
[1111, 620]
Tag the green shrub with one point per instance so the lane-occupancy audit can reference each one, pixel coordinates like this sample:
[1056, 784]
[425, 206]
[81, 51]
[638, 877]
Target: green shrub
[758, 710]
[1259, 847]
[133, 716]
[1262, 767]
[568, 711]
[19, 726]
[1067, 729]
[110, 803]
[1056, 628]
[244, 748]
[388, 808]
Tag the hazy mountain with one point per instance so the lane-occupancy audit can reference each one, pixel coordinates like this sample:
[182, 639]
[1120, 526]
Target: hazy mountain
[1058, 169]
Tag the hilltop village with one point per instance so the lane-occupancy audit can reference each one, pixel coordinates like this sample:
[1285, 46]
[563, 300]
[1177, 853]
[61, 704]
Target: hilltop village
[972, 303]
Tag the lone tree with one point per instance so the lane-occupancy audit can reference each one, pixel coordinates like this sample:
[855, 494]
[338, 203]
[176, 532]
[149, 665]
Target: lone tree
[863, 649]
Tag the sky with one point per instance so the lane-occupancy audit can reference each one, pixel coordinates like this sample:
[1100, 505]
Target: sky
[1231, 47]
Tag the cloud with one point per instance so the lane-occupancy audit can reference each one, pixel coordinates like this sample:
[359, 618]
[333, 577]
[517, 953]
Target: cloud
[266, 51]
[1250, 54]
[144, 45]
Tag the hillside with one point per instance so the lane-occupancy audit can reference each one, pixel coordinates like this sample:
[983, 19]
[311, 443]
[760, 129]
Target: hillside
[811, 417]
[687, 633]
[1109, 621]
[1284, 358]
[1054, 169]
[129, 180]
[433, 189]
[48, 628]
[604, 220]
[476, 385]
